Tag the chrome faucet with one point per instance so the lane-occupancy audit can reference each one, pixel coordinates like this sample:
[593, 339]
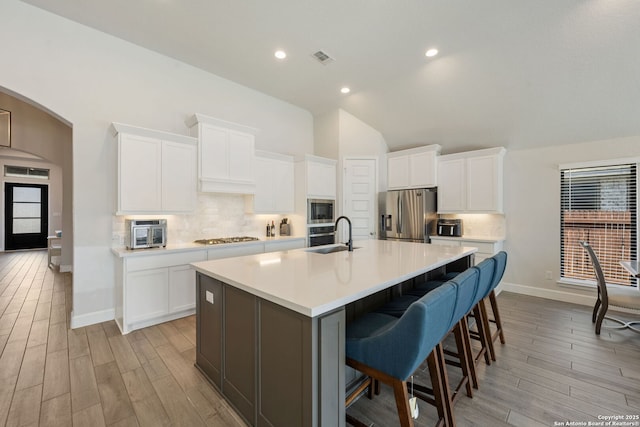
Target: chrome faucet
[335, 227]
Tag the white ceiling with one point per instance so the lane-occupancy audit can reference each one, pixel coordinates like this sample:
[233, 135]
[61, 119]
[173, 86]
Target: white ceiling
[518, 73]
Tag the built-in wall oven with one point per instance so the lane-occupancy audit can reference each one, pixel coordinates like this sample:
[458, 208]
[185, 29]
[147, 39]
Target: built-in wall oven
[322, 235]
[320, 211]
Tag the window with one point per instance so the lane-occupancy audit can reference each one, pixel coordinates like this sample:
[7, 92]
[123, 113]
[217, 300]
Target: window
[25, 172]
[598, 205]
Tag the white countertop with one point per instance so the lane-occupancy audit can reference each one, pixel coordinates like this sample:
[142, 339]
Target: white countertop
[482, 239]
[186, 247]
[313, 284]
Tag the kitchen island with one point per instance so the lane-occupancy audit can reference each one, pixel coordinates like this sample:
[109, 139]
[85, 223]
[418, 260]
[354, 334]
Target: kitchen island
[271, 327]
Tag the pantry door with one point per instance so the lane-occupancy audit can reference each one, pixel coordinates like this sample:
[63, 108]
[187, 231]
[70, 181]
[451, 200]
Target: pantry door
[360, 196]
[26, 213]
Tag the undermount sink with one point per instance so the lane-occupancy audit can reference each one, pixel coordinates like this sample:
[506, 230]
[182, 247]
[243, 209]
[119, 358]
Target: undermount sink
[329, 250]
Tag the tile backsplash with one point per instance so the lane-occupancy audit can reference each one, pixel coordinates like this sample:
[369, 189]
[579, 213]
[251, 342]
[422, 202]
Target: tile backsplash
[480, 225]
[217, 215]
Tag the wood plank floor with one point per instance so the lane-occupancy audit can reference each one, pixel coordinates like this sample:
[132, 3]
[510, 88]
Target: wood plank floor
[51, 375]
[553, 367]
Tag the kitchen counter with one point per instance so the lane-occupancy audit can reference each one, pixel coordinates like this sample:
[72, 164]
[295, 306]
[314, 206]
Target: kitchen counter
[271, 327]
[470, 238]
[313, 284]
[123, 252]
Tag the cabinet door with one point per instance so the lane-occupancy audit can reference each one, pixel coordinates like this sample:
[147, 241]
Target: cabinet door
[179, 183]
[321, 180]
[422, 170]
[451, 185]
[239, 367]
[263, 200]
[182, 288]
[214, 152]
[241, 156]
[209, 328]
[147, 295]
[139, 174]
[398, 172]
[483, 184]
[283, 186]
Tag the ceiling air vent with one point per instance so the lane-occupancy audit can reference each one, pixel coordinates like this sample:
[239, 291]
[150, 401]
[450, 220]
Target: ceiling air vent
[322, 57]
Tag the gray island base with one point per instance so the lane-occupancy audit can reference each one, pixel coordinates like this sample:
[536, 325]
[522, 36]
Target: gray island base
[271, 327]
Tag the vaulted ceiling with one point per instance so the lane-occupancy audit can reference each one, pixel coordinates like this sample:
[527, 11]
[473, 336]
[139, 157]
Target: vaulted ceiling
[517, 73]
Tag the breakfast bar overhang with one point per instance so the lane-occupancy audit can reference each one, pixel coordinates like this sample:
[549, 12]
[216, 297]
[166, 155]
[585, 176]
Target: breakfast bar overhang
[271, 327]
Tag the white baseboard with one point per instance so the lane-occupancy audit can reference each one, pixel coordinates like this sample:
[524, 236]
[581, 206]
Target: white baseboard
[66, 268]
[91, 318]
[548, 293]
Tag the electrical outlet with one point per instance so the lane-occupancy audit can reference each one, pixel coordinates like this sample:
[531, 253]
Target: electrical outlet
[548, 275]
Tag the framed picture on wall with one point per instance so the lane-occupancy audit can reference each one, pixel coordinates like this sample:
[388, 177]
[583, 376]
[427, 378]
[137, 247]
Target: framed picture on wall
[5, 128]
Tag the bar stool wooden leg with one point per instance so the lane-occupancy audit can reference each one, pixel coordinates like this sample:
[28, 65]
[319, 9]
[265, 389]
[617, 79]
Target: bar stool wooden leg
[481, 335]
[485, 324]
[440, 383]
[496, 316]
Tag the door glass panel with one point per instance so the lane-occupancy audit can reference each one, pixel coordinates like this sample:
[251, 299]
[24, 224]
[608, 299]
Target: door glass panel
[26, 210]
[26, 225]
[27, 194]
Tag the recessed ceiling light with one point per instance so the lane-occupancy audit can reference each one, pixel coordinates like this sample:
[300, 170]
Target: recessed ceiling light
[345, 90]
[431, 53]
[280, 54]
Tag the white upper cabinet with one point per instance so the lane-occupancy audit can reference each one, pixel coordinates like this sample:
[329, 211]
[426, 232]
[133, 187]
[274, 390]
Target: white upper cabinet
[413, 168]
[226, 155]
[316, 177]
[471, 182]
[156, 171]
[274, 183]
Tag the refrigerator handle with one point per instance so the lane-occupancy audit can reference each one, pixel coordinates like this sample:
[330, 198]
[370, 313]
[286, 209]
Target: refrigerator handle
[399, 219]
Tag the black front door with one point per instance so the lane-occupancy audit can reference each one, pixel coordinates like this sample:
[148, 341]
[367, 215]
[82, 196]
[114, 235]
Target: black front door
[26, 212]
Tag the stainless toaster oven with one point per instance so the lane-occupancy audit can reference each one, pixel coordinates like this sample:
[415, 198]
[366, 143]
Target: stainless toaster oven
[146, 233]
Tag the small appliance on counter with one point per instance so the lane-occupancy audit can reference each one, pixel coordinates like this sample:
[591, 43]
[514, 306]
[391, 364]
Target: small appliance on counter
[450, 227]
[145, 233]
[285, 229]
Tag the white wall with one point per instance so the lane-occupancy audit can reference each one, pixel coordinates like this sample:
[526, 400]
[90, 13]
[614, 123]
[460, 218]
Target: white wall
[91, 79]
[532, 211]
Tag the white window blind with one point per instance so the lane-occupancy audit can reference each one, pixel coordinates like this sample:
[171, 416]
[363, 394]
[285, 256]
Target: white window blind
[598, 205]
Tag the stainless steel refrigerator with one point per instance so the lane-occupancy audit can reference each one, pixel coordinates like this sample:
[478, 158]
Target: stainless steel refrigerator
[410, 215]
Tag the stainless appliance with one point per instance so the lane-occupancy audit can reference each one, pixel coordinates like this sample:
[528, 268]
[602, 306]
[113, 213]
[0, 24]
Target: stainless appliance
[410, 215]
[320, 211]
[450, 227]
[145, 233]
[319, 236]
[222, 240]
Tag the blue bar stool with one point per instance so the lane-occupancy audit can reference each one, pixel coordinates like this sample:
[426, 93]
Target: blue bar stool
[390, 349]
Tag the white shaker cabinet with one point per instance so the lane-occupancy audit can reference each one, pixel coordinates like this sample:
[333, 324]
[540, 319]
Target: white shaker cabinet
[226, 155]
[274, 183]
[486, 247]
[315, 178]
[413, 168]
[471, 182]
[155, 287]
[156, 171]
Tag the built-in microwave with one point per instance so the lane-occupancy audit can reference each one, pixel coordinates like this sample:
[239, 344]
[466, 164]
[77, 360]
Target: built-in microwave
[320, 211]
[146, 233]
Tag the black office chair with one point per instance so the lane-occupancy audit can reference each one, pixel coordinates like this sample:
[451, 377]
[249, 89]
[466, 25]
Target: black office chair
[617, 296]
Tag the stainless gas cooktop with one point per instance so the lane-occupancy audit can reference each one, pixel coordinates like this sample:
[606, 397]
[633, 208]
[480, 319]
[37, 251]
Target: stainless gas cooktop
[221, 240]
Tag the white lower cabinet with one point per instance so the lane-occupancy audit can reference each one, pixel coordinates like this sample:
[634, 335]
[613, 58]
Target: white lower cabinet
[147, 295]
[182, 292]
[161, 286]
[486, 248]
[155, 288]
